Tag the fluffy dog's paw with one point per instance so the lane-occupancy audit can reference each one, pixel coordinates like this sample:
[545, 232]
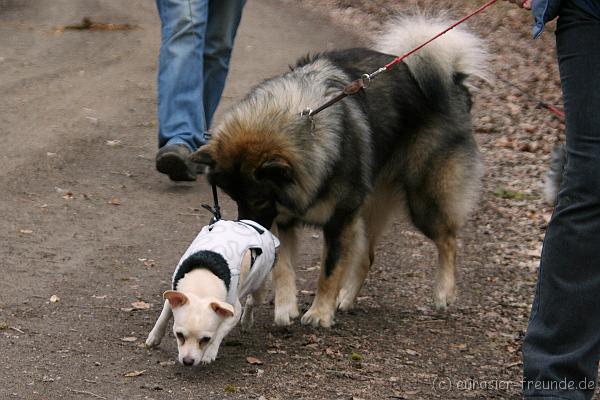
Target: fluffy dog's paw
[210, 354]
[345, 300]
[153, 340]
[318, 317]
[285, 314]
[444, 295]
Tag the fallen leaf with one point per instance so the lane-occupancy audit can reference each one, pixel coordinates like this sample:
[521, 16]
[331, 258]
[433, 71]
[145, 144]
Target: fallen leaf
[140, 305]
[88, 24]
[147, 262]
[115, 201]
[133, 374]
[54, 299]
[230, 389]
[129, 339]
[411, 352]
[254, 361]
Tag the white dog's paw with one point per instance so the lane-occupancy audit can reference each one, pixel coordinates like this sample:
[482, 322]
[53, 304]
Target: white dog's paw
[210, 354]
[444, 294]
[345, 300]
[285, 314]
[318, 316]
[153, 340]
[247, 320]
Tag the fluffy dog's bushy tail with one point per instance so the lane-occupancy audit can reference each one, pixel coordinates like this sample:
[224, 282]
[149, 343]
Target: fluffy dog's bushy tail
[449, 59]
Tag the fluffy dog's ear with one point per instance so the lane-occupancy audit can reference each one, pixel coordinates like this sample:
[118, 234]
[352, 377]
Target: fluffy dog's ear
[203, 156]
[276, 169]
[223, 310]
[176, 299]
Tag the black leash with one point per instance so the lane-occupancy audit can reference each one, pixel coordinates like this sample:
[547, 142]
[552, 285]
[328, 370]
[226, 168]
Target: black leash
[216, 209]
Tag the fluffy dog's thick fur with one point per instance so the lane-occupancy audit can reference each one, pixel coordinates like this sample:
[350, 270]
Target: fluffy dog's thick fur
[404, 142]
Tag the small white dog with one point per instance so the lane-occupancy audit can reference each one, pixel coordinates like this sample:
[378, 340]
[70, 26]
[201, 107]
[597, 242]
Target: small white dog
[228, 262]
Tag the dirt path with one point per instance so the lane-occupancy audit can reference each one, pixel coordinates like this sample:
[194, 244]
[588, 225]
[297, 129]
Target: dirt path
[84, 216]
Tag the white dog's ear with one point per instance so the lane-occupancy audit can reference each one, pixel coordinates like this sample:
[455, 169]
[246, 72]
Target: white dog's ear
[224, 310]
[176, 299]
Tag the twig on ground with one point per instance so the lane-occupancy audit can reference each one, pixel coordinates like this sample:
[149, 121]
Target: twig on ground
[86, 392]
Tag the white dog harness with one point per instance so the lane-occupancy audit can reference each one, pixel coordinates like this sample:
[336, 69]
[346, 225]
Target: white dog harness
[221, 246]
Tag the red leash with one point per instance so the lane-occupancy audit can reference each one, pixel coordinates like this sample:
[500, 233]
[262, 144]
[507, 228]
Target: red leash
[353, 87]
[560, 114]
[554, 110]
[389, 65]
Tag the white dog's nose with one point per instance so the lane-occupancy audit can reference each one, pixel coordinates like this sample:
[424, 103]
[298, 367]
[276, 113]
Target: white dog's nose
[188, 361]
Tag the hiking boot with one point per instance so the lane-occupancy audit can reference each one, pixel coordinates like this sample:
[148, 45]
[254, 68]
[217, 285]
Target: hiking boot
[173, 160]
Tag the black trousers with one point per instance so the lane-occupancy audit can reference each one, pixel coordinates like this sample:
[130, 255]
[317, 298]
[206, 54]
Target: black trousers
[562, 346]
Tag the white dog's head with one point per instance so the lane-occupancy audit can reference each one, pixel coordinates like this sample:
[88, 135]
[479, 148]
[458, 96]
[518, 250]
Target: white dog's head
[196, 320]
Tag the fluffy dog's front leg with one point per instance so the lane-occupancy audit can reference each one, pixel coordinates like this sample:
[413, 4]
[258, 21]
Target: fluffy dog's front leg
[339, 252]
[158, 332]
[355, 268]
[212, 348]
[445, 286]
[284, 278]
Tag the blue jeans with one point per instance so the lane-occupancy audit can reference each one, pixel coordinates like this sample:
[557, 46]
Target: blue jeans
[562, 345]
[197, 40]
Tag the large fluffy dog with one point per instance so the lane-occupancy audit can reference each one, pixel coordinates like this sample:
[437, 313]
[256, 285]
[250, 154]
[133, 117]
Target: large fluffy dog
[405, 141]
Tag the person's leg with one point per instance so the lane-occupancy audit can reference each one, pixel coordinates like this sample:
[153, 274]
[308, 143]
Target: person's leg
[180, 82]
[223, 20]
[562, 345]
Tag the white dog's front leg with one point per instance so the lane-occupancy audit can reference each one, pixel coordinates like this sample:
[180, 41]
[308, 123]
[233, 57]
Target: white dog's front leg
[158, 332]
[256, 298]
[212, 348]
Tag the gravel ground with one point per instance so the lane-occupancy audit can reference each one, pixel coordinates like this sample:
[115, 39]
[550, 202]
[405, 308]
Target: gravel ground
[86, 219]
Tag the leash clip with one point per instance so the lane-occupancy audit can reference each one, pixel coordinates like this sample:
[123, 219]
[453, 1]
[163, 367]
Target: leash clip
[366, 80]
[216, 214]
[216, 210]
[307, 112]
